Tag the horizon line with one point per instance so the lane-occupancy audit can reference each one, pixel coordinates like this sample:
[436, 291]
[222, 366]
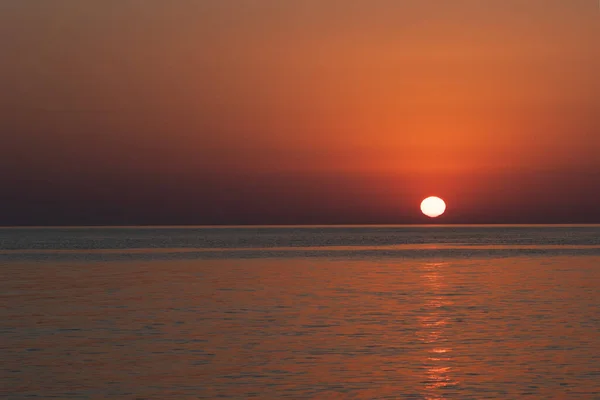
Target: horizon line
[265, 226]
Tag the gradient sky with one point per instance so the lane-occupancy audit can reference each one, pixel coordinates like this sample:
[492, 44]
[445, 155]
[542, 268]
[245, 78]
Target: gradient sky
[307, 111]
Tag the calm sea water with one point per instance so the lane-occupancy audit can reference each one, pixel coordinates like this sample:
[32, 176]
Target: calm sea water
[322, 312]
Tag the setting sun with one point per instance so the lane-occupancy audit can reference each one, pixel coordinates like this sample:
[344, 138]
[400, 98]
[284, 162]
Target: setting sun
[433, 206]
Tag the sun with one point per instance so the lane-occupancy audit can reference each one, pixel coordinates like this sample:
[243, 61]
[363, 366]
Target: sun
[433, 206]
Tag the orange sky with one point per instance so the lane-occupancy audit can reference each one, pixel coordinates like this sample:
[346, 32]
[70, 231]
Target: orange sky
[479, 101]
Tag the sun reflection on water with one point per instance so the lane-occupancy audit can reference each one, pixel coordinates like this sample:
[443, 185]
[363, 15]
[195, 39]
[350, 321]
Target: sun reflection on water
[433, 321]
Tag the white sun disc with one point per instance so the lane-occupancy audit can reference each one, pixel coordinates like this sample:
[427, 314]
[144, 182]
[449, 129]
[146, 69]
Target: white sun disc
[433, 206]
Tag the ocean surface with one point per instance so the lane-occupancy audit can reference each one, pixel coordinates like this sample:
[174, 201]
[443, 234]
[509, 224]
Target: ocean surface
[361, 312]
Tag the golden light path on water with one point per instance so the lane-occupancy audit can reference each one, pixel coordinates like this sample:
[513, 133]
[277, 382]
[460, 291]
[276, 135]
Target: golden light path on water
[433, 322]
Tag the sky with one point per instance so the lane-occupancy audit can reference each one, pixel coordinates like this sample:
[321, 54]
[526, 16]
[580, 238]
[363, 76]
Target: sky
[298, 111]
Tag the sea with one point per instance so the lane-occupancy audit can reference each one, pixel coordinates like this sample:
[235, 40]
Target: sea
[311, 312]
